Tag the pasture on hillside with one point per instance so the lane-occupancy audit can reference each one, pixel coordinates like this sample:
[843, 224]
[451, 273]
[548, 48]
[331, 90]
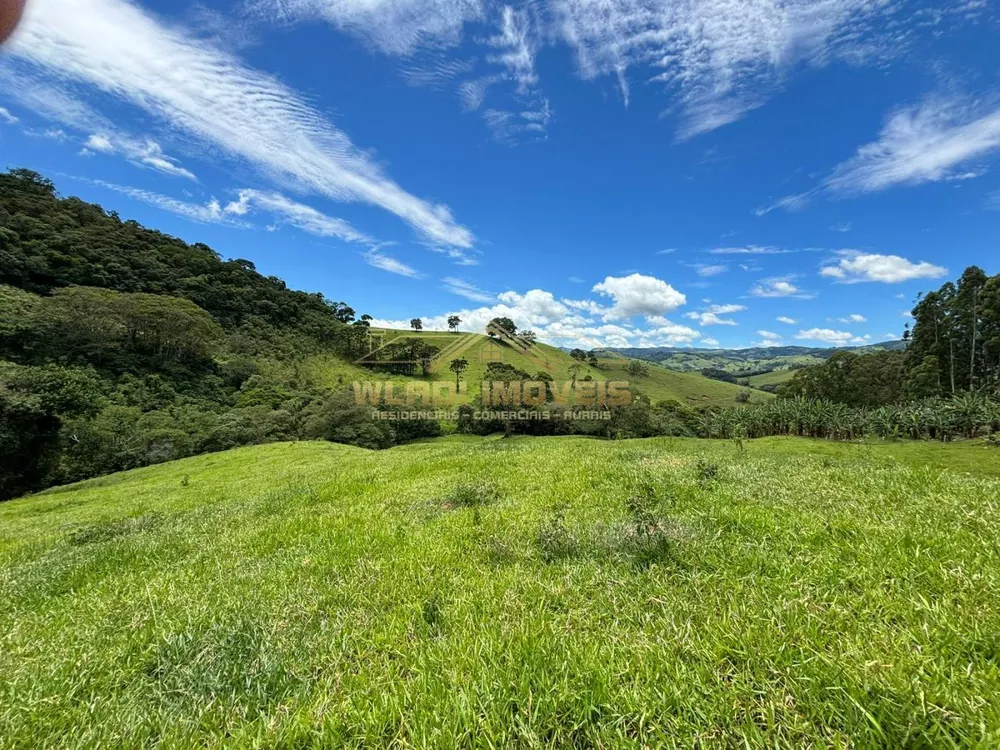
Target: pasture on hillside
[526, 592]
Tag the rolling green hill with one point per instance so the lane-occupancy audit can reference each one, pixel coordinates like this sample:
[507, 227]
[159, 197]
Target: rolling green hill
[660, 384]
[742, 360]
[469, 592]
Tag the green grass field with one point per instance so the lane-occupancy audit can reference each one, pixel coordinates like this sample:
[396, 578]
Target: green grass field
[688, 388]
[775, 377]
[467, 592]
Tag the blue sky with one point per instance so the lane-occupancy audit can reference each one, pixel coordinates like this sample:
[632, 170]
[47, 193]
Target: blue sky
[634, 173]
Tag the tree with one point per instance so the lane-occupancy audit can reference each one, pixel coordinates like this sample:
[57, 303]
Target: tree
[505, 324]
[592, 360]
[638, 369]
[458, 366]
[417, 324]
[574, 370]
[579, 354]
[454, 322]
[530, 336]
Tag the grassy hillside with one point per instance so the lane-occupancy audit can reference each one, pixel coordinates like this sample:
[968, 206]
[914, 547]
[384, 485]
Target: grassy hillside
[689, 388]
[509, 593]
[776, 377]
[738, 361]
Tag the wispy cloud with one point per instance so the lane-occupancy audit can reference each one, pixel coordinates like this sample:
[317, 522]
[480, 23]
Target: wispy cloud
[722, 58]
[7, 118]
[387, 263]
[788, 203]
[299, 215]
[749, 250]
[115, 48]
[854, 267]
[145, 153]
[395, 27]
[467, 289]
[203, 213]
[940, 139]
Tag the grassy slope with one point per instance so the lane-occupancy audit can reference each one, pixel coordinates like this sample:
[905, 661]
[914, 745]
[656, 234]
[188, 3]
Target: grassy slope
[315, 595]
[689, 388]
[777, 377]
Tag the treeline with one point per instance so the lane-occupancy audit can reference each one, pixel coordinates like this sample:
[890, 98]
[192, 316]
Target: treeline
[954, 348]
[121, 346]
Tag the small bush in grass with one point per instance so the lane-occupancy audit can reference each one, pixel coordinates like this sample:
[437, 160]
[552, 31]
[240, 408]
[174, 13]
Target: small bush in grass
[433, 612]
[555, 539]
[993, 441]
[474, 493]
[706, 471]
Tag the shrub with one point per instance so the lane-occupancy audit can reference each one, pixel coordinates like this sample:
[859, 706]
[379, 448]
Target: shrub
[555, 539]
[706, 471]
[473, 493]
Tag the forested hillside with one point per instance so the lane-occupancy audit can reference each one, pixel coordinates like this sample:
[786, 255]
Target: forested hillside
[121, 346]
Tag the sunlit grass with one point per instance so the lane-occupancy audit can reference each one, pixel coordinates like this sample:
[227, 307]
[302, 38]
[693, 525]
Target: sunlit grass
[509, 593]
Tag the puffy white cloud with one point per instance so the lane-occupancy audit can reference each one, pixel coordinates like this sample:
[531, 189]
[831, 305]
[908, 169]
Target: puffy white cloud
[853, 318]
[710, 315]
[786, 320]
[832, 337]
[639, 295]
[712, 343]
[778, 287]
[854, 267]
[768, 339]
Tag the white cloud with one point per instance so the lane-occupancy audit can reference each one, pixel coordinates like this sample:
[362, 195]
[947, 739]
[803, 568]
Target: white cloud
[298, 215]
[790, 203]
[768, 339]
[710, 316]
[7, 118]
[639, 295]
[723, 58]
[713, 343]
[710, 319]
[390, 264]
[707, 271]
[786, 320]
[144, 153]
[749, 250]
[192, 86]
[854, 318]
[834, 338]
[921, 144]
[778, 287]
[841, 226]
[395, 27]
[467, 289]
[854, 267]
[207, 213]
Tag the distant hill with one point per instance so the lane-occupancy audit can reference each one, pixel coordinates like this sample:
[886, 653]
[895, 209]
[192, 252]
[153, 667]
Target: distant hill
[749, 360]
